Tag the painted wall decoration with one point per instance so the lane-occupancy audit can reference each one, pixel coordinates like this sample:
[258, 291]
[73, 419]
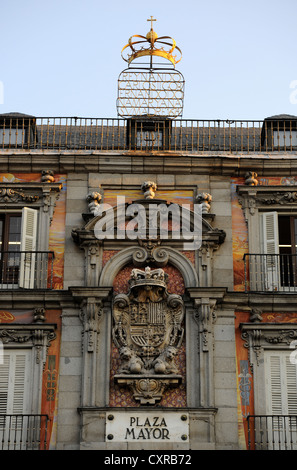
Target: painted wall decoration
[49, 404]
[171, 196]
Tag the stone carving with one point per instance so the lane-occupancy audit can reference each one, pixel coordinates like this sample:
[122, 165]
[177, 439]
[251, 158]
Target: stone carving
[251, 178]
[204, 199]
[93, 200]
[288, 197]
[164, 364]
[47, 176]
[13, 195]
[149, 188]
[131, 363]
[148, 333]
[39, 315]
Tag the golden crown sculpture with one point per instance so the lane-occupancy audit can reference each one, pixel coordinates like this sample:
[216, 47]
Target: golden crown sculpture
[155, 47]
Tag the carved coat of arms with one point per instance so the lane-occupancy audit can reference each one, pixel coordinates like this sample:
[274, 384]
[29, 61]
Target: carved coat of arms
[148, 333]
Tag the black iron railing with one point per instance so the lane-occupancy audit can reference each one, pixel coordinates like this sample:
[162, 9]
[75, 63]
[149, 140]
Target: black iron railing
[75, 133]
[272, 432]
[270, 272]
[23, 431]
[26, 269]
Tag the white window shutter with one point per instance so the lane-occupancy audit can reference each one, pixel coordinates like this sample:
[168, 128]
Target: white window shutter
[281, 397]
[28, 244]
[270, 244]
[15, 384]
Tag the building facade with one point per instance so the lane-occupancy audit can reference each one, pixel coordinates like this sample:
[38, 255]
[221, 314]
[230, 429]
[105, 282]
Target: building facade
[134, 339]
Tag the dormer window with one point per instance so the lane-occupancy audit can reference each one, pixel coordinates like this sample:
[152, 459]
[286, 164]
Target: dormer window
[148, 133]
[279, 133]
[17, 130]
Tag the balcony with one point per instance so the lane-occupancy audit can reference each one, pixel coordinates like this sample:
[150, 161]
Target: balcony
[23, 432]
[178, 135]
[26, 269]
[270, 272]
[272, 432]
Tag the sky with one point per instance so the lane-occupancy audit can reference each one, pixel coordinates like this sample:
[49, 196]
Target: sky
[63, 57]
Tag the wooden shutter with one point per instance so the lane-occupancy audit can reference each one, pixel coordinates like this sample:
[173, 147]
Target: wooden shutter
[28, 244]
[281, 398]
[15, 382]
[281, 379]
[270, 244]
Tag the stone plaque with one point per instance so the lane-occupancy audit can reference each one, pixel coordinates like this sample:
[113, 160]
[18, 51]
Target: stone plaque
[148, 426]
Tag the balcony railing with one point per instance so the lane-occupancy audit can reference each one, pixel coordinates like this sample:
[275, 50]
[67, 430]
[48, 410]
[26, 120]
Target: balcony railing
[186, 135]
[23, 432]
[272, 432]
[26, 269]
[270, 272]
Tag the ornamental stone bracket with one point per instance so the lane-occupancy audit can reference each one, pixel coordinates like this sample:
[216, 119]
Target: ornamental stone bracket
[148, 333]
[205, 304]
[91, 302]
[265, 336]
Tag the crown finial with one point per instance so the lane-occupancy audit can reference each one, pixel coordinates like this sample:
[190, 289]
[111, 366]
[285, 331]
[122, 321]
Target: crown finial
[151, 87]
[163, 46]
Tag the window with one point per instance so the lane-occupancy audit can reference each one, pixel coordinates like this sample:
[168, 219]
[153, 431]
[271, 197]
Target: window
[279, 240]
[10, 241]
[18, 248]
[15, 380]
[281, 393]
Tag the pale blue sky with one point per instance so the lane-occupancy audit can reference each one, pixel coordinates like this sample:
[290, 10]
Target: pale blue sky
[62, 57]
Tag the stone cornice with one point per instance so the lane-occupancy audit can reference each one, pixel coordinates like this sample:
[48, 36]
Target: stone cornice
[281, 164]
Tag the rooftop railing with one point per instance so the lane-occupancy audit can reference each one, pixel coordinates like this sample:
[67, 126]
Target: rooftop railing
[185, 135]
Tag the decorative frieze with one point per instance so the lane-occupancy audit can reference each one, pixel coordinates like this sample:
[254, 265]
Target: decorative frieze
[29, 335]
[9, 195]
[254, 197]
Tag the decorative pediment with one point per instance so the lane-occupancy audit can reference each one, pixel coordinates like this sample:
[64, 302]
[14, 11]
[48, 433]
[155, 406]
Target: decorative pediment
[145, 220]
[264, 197]
[35, 336]
[44, 194]
[261, 336]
